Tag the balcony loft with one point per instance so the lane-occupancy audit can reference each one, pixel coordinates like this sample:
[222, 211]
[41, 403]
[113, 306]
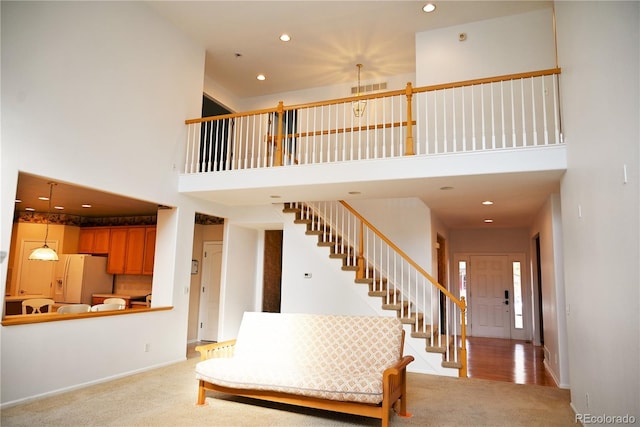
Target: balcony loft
[500, 132]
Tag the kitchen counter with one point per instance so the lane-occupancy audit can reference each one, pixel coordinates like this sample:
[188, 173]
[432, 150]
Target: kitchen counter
[23, 297]
[99, 298]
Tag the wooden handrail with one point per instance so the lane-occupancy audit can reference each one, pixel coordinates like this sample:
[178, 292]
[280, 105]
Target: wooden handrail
[413, 90]
[347, 99]
[461, 303]
[496, 79]
[231, 116]
[351, 129]
[406, 257]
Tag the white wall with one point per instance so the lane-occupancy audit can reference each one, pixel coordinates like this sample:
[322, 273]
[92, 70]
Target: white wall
[598, 47]
[547, 226]
[489, 240]
[494, 47]
[406, 221]
[86, 104]
[328, 290]
[241, 277]
[323, 93]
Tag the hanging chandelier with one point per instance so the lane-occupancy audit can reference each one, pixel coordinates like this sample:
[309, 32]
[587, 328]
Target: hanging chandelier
[360, 105]
[45, 253]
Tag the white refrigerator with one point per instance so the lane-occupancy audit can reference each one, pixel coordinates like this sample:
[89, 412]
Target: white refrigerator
[78, 277]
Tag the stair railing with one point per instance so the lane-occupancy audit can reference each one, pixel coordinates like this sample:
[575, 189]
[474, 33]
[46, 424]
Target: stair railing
[433, 312]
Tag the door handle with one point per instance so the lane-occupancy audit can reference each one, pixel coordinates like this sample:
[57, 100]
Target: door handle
[506, 297]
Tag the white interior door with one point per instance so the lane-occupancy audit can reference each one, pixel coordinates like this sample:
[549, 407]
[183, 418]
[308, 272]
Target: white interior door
[489, 277]
[36, 277]
[210, 291]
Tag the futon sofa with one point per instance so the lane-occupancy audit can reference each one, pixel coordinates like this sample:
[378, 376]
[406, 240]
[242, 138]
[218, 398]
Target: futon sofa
[349, 364]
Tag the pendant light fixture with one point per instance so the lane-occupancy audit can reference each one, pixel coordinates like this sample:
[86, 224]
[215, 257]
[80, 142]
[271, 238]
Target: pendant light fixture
[360, 105]
[45, 253]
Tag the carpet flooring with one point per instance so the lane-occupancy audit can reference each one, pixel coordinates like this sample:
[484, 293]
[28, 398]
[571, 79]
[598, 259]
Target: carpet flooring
[166, 397]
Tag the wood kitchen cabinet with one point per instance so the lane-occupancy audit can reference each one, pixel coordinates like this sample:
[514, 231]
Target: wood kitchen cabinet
[149, 250]
[117, 250]
[131, 250]
[135, 250]
[94, 240]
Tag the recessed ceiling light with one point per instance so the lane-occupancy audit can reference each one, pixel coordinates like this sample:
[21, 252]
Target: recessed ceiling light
[43, 198]
[429, 7]
[29, 209]
[18, 201]
[59, 207]
[86, 205]
[261, 77]
[285, 37]
[487, 203]
[488, 220]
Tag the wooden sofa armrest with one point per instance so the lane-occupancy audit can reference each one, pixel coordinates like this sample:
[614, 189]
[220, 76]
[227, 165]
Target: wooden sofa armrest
[216, 349]
[400, 365]
[394, 385]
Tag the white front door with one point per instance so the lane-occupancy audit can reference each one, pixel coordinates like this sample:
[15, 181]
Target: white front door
[489, 285]
[210, 291]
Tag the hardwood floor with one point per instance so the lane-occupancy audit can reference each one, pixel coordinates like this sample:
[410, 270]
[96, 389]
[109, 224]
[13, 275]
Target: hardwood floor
[507, 360]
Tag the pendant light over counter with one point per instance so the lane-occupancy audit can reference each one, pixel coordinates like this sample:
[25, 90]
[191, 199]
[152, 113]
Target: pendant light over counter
[45, 253]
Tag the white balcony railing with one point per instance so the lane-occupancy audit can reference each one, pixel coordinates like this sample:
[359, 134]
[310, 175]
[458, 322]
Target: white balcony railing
[507, 112]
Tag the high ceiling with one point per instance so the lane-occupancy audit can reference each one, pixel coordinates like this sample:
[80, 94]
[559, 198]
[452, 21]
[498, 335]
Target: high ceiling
[328, 38]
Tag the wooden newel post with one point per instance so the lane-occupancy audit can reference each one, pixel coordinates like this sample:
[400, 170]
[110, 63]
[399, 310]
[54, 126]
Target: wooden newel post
[408, 149]
[360, 261]
[277, 161]
[463, 338]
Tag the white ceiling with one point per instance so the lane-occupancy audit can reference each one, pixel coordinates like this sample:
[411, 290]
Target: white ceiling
[73, 196]
[328, 38]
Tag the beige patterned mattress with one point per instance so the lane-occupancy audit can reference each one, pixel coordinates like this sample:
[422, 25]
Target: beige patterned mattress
[326, 356]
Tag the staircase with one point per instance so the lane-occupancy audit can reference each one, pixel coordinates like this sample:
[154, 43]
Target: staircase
[400, 283]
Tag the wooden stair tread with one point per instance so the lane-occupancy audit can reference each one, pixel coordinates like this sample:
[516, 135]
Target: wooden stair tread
[426, 331]
[411, 320]
[451, 364]
[338, 255]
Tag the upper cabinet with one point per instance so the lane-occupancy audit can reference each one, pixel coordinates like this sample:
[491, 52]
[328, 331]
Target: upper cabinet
[135, 250]
[94, 240]
[131, 250]
[149, 250]
[117, 250]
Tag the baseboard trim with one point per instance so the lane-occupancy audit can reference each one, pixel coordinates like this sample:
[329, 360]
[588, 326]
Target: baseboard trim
[33, 398]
